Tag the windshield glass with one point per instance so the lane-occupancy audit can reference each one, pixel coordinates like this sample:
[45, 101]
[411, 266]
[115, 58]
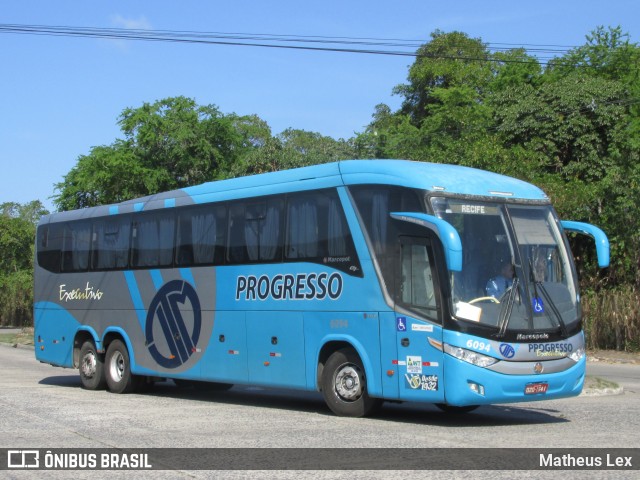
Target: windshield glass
[516, 275]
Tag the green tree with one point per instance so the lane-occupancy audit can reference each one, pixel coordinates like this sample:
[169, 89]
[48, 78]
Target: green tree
[293, 148]
[30, 212]
[169, 144]
[450, 70]
[17, 233]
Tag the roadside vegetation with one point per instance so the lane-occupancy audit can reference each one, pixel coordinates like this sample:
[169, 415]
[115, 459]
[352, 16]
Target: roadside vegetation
[570, 125]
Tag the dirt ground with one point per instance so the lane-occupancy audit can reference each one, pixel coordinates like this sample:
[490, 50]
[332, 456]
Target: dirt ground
[613, 356]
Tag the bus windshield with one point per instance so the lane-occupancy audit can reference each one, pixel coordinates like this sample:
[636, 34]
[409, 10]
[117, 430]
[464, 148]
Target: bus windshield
[516, 275]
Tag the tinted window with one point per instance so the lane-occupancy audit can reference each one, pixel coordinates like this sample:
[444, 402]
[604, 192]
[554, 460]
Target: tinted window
[153, 240]
[111, 243]
[201, 234]
[76, 244]
[317, 231]
[375, 203]
[49, 246]
[255, 231]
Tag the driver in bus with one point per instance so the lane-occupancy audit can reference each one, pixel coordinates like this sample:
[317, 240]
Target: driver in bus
[496, 286]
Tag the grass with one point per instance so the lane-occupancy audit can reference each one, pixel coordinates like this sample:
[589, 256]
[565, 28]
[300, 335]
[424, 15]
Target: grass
[25, 337]
[599, 383]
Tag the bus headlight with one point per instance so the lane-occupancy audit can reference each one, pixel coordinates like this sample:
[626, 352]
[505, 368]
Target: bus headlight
[577, 354]
[469, 356]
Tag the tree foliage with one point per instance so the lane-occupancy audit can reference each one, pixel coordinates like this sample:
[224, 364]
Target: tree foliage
[17, 233]
[174, 143]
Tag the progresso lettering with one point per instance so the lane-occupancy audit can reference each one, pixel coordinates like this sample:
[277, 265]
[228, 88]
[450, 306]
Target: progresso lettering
[302, 286]
[550, 348]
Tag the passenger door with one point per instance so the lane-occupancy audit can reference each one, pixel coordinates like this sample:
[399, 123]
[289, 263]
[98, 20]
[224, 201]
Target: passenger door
[418, 322]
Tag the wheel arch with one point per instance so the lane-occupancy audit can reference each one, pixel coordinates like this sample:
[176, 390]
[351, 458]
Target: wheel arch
[333, 344]
[117, 333]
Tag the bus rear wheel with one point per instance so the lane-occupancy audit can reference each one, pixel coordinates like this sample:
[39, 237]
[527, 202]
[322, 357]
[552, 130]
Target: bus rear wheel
[91, 367]
[118, 369]
[344, 385]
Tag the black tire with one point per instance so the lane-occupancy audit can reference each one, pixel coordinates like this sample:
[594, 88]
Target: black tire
[344, 385]
[456, 410]
[91, 367]
[118, 369]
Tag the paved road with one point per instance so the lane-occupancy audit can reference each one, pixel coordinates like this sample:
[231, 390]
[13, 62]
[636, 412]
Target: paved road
[44, 407]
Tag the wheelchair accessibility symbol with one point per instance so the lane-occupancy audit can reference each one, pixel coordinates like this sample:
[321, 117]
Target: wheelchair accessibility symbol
[401, 324]
[538, 305]
[173, 324]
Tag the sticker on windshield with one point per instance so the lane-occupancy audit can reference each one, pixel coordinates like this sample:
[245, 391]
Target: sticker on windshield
[466, 311]
[538, 305]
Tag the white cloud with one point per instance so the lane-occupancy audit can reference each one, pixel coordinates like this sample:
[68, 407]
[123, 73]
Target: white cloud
[140, 23]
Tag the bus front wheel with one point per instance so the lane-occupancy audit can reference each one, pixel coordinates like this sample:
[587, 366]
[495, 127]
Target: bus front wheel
[91, 367]
[118, 369]
[344, 385]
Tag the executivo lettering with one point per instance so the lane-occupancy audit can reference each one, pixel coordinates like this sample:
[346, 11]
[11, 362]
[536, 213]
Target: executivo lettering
[88, 293]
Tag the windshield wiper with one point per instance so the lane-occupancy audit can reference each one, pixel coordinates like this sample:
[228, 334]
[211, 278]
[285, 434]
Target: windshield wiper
[537, 284]
[551, 303]
[507, 307]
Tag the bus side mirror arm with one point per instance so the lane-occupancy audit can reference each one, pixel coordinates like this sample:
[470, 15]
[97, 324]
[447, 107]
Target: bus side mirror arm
[445, 232]
[602, 242]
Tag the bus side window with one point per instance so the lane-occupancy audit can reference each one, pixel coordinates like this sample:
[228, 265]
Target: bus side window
[416, 283]
[255, 231]
[317, 231]
[50, 247]
[302, 229]
[76, 243]
[153, 240]
[201, 235]
[111, 243]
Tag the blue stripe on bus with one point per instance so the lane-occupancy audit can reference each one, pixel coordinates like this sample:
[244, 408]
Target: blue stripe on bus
[170, 203]
[113, 210]
[136, 298]
[138, 207]
[187, 275]
[156, 277]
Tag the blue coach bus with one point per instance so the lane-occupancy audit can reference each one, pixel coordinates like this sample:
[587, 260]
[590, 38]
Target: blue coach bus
[367, 280]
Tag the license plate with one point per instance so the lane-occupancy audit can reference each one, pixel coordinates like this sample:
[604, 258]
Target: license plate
[535, 388]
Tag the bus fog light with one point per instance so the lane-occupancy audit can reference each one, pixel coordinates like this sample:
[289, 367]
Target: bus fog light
[477, 388]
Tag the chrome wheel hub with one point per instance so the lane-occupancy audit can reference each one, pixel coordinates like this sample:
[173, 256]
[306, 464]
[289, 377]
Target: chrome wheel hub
[348, 383]
[88, 365]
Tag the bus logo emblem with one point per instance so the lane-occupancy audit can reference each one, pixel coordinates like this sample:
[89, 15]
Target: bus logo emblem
[173, 324]
[507, 350]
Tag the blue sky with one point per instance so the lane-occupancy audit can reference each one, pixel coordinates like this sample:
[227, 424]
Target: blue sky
[60, 96]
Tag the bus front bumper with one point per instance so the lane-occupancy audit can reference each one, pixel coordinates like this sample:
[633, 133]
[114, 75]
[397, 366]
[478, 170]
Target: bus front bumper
[467, 384]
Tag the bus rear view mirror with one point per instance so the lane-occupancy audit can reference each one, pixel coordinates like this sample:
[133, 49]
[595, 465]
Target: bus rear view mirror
[602, 242]
[445, 232]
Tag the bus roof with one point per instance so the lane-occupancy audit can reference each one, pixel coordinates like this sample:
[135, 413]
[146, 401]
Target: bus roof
[441, 178]
[451, 179]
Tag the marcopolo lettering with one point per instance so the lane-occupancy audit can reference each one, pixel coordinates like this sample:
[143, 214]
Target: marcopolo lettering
[301, 286]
